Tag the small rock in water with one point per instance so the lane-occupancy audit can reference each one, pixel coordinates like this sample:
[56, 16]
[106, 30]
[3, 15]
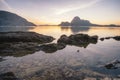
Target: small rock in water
[78, 50]
[113, 65]
[102, 39]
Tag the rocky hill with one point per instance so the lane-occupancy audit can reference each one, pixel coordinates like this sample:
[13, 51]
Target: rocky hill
[76, 21]
[11, 19]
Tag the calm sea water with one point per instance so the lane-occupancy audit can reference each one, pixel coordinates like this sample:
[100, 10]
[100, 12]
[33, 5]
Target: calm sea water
[88, 62]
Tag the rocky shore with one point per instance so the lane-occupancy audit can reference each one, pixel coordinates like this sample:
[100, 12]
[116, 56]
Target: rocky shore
[21, 43]
[80, 40]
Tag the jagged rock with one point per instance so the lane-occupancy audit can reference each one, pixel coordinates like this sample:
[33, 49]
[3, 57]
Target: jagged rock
[8, 76]
[11, 19]
[61, 46]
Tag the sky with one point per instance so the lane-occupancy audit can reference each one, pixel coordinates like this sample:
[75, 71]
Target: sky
[56, 11]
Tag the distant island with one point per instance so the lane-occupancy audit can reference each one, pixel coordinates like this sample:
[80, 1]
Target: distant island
[11, 19]
[76, 21]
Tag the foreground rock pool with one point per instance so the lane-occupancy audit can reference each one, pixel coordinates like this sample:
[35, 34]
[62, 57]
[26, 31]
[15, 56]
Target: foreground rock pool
[88, 62]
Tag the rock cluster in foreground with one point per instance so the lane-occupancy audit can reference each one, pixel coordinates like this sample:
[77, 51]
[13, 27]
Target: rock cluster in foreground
[21, 43]
[80, 40]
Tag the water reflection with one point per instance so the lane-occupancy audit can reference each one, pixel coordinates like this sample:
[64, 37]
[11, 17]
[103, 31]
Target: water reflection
[11, 28]
[75, 29]
[68, 63]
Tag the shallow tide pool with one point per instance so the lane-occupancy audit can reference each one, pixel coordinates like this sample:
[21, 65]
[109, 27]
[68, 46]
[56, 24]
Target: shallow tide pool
[68, 63]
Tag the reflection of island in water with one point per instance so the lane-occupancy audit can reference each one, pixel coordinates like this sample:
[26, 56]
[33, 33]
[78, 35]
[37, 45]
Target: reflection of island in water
[75, 29]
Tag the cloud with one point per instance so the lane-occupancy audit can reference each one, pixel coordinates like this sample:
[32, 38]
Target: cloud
[4, 6]
[76, 7]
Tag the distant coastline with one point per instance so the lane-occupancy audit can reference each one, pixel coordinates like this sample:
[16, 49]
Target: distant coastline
[12, 19]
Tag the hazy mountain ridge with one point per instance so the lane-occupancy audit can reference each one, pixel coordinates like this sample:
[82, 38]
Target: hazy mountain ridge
[76, 21]
[11, 19]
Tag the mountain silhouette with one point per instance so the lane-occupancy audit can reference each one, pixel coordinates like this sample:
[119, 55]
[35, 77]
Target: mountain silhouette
[76, 21]
[11, 19]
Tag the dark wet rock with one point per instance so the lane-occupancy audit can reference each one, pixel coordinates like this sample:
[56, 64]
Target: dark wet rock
[81, 40]
[102, 39]
[61, 46]
[107, 37]
[113, 65]
[8, 76]
[117, 38]
[78, 50]
[24, 37]
[63, 39]
[1, 59]
[50, 48]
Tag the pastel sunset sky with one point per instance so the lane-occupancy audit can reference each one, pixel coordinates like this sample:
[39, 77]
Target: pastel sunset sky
[55, 11]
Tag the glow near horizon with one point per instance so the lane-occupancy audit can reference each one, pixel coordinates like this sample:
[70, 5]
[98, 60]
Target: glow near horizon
[55, 11]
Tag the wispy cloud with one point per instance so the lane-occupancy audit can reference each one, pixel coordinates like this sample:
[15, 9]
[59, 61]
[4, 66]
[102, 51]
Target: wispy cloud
[4, 6]
[76, 7]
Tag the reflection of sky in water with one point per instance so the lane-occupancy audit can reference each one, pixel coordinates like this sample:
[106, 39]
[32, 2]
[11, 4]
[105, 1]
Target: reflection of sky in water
[91, 58]
[57, 31]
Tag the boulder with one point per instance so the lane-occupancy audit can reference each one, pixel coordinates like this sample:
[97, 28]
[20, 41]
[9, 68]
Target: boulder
[63, 39]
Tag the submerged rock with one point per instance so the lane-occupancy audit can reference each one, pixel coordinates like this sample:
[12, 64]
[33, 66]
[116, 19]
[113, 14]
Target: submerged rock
[50, 48]
[8, 76]
[117, 38]
[18, 49]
